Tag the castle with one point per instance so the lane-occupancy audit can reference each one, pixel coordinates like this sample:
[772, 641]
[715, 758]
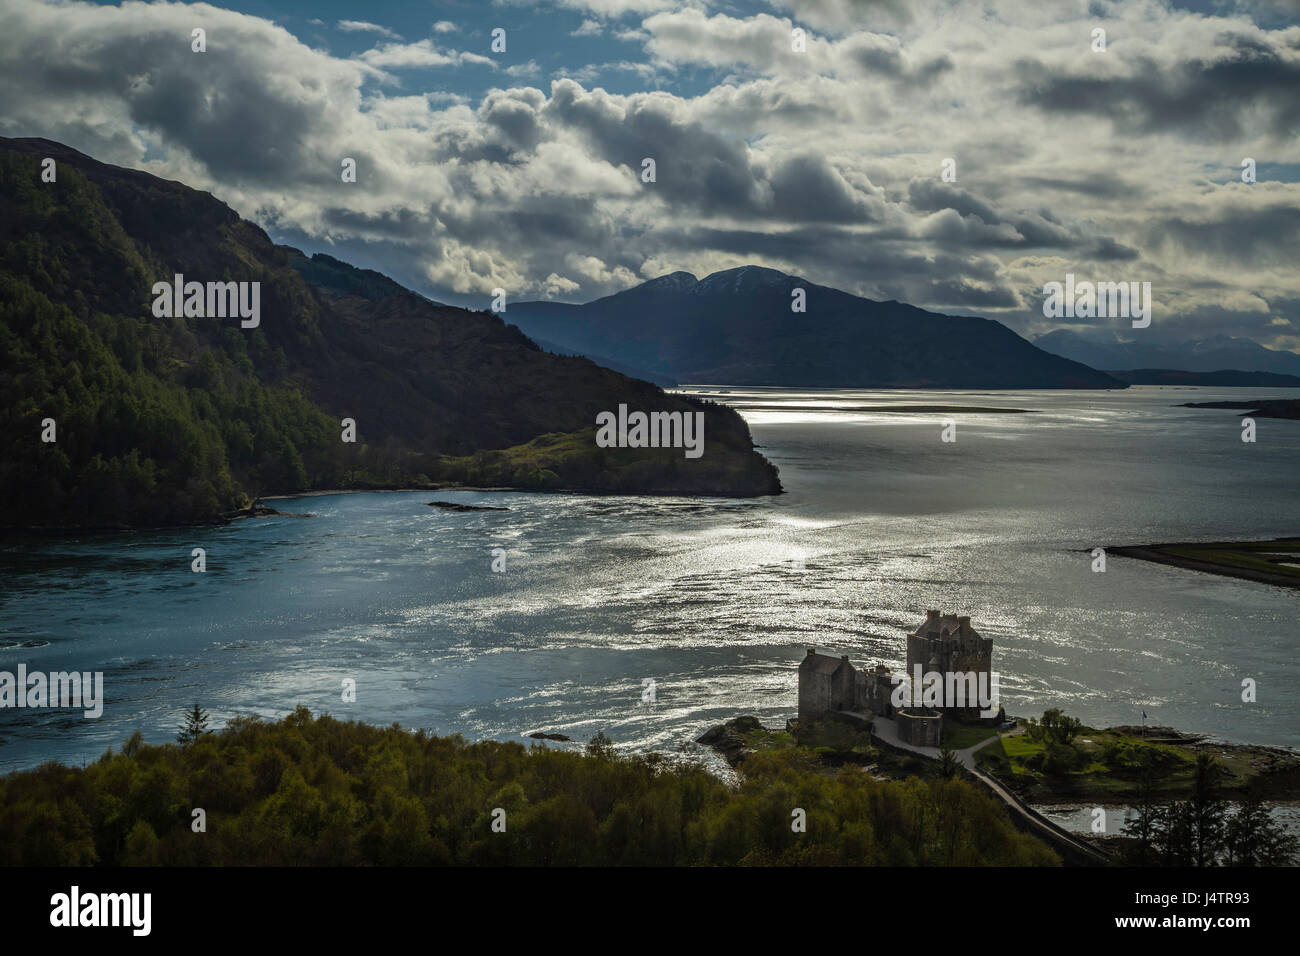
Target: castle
[943, 644]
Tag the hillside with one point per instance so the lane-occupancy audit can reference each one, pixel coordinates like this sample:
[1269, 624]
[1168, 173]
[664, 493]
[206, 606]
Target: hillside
[163, 421]
[737, 328]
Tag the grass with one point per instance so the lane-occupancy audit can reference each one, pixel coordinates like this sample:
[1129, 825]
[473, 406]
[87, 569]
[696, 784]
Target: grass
[1105, 766]
[1250, 555]
[960, 736]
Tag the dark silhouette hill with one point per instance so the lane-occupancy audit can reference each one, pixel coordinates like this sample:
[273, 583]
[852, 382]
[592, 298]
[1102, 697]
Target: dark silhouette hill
[173, 420]
[737, 328]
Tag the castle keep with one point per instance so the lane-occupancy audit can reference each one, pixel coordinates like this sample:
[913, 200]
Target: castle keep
[943, 644]
[947, 644]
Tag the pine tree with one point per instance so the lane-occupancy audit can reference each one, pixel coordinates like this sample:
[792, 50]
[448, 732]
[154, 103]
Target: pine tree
[1254, 839]
[195, 726]
[1142, 828]
[1208, 809]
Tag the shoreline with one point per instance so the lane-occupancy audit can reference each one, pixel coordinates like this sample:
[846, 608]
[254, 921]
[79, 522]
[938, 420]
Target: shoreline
[217, 521]
[742, 405]
[1275, 770]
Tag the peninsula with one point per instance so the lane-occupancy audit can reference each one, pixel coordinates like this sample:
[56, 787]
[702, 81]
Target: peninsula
[1275, 562]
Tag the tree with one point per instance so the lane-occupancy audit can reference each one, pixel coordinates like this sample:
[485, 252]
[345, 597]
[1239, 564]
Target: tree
[1174, 834]
[601, 747]
[1252, 838]
[1142, 828]
[1208, 810]
[195, 726]
[949, 766]
[1058, 727]
[1191, 832]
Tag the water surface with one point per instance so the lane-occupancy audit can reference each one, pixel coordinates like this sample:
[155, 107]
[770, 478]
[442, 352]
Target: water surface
[712, 599]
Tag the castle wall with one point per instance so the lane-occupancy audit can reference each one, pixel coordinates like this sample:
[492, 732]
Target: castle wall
[814, 694]
[874, 690]
[826, 685]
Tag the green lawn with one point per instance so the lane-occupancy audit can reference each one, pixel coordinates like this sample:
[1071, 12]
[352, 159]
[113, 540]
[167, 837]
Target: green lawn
[960, 736]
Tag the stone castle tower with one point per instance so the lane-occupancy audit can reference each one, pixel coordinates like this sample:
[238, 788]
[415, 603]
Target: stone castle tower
[945, 644]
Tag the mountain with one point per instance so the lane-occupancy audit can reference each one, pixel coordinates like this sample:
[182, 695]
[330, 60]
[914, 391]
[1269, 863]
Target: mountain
[1224, 378]
[737, 328]
[161, 421]
[1102, 348]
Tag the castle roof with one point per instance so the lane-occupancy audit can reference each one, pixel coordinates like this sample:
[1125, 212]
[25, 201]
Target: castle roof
[822, 663]
[945, 626]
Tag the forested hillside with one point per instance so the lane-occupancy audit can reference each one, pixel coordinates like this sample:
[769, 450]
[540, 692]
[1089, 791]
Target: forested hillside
[172, 420]
[320, 792]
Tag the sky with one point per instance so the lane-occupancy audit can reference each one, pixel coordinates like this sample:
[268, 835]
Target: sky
[521, 169]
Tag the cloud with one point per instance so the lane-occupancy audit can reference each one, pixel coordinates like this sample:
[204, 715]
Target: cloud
[421, 54]
[361, 26]
[1242, 83]
[846, 16]
[1121, 165]
[764, 45]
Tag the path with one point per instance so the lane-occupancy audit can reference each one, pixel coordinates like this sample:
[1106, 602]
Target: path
[1059, 838]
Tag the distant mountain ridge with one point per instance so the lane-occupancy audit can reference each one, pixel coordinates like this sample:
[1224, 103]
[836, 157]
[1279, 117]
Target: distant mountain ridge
[164, 421]
[736, 327]
[1222, 378]
[1102, 348]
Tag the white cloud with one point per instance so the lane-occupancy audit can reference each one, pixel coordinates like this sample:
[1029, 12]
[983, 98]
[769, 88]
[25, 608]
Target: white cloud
[361, 26]
[529, 68]
[422, 53]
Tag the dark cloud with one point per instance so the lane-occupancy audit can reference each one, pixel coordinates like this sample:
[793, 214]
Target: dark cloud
[1245, 235]
[1095, 185]
[883, 56]
[806, 189]
[513, 115]
[1215, 99]
[693, 165]
[931, 195]
[1108, 250]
